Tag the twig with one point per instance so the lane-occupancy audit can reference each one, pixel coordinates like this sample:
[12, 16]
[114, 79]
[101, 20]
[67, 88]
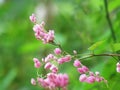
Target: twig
[93, 55]
[109, 21]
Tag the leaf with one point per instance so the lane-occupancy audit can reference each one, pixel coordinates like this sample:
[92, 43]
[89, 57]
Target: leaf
[96, 45]
[116, 46]
[113, 5]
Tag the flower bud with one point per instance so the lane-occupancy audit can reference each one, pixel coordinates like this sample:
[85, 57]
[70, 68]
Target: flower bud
[57, 51]
[33, 82]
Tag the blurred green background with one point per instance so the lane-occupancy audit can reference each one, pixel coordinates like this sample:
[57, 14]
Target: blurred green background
[77, 24]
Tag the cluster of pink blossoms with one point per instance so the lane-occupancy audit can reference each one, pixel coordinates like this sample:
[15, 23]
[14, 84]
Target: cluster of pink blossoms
[53, 79]
[40, 32]
[86, 74]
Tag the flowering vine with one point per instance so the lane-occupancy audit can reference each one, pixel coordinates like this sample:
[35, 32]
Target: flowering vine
[55, 80]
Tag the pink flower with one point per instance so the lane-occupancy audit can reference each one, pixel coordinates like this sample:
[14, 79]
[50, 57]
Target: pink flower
[90, 79]
[82, 77]
[98, 79]
[39, 80]
[54, 69]
[50, 36]
[61, 60]
[35, 60]
[67, 58]
[118, 67]
[33, 82]
[85, 69]
[80, 70]
[37, 63]
[49, 57]
[43, 35]
[37, 28]
[32, 18]
[57, 51]
[77, 63]
[62, 80]
[47, 65]
[91, 73]
[118, 64]
[53, 81]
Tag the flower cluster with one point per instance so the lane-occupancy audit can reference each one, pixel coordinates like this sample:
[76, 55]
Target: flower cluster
[50, 63]
[118, 67]
[40, 32]
[52, 81]
[86, 74]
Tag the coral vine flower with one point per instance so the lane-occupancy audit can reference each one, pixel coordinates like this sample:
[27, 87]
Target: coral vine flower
[57, 51]
[118, 67]
[77, 63]
[64, 59]
[90, 79]
[33, 82]
[47, 65]
[54, 80]
[82, 77]
[37, 63]
[32, 18]
[40, 33]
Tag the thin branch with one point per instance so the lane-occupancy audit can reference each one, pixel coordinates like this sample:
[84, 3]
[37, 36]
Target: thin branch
[109, 21]
[93, 55]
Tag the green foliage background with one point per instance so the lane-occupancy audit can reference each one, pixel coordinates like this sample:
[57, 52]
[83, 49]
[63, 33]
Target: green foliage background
[77, 24]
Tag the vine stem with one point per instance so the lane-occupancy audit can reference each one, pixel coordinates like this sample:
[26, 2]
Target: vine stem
[109, 21]
[93, 55]
[110, 24]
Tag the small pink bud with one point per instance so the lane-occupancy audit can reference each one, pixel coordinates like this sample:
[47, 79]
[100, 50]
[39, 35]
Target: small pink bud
[42, 24]
[91, 73]
[90, 79]
[54, 69]
[57, 51]
[80, 70]
[77, 63]
[33, 82]
[74, 51]
[97, 73]
[35, 60]
[82, 77]
[118, 64]
[32, 18]
[61, 61]
[37, 64]
[98, 79]
[67, 58]
[40, 80]
[118, 69]
[85, 69]
[47, 65]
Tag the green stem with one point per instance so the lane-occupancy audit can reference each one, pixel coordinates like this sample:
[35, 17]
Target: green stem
[93, 55]
[109, 21]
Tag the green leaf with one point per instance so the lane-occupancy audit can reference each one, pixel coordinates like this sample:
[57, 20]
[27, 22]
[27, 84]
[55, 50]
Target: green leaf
[96, 45]
[116, 46]
[114, 5]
